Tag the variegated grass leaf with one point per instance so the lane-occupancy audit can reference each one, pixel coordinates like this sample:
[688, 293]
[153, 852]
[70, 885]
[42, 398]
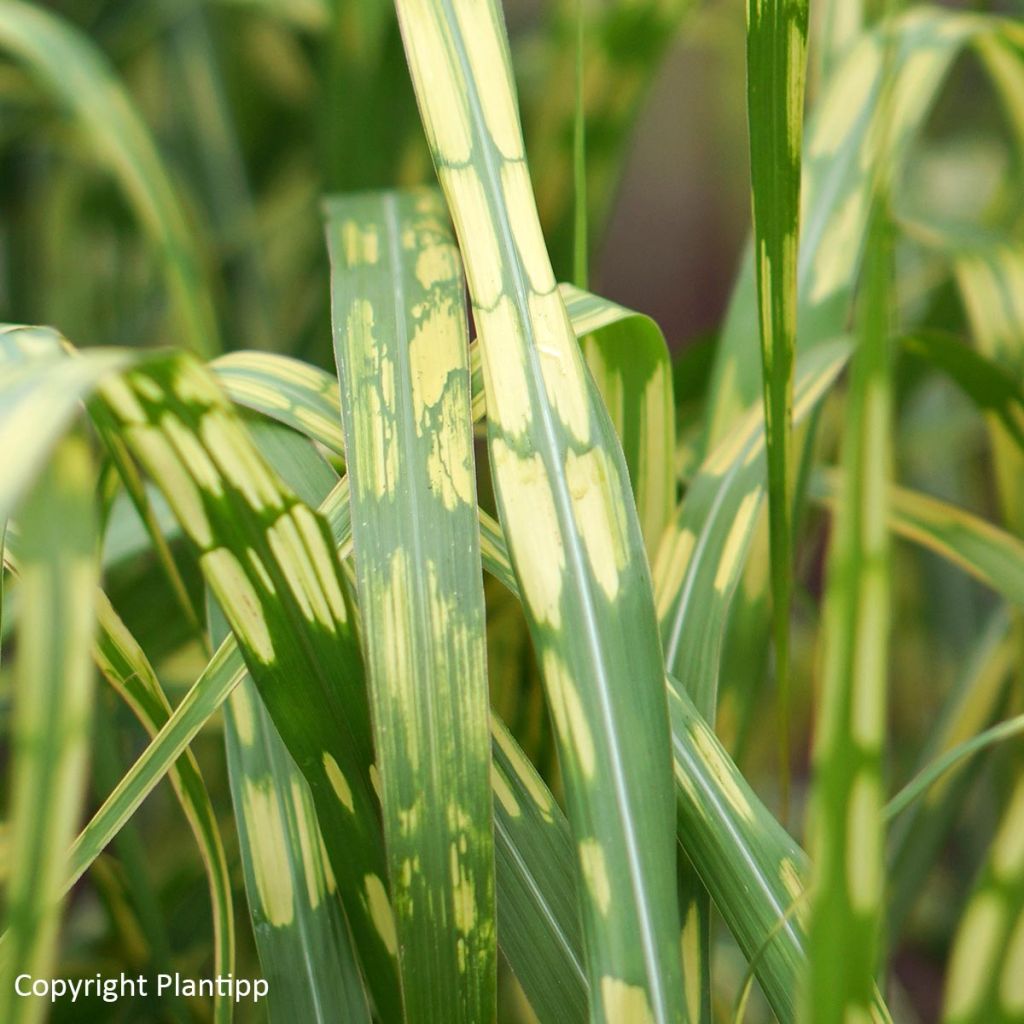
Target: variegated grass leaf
[563, 496]
[402, 350]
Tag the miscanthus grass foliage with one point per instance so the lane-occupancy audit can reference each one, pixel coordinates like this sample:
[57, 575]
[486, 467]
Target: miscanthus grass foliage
[505, 661]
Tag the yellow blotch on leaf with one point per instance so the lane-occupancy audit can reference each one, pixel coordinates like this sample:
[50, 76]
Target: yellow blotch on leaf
[1011, 984]
[690, 947]
[362, 245]
[294, 560]
[430, 54]
[600, 515]
[182, 494]
[437, 348]
[670, 567]
[123, 400]
[533, 531]
[561, 364]
[338, 782]
[374, 385]
[463, 897]
[1008, 848]
[240, 602]
[436, 261]
[844, 101]
[525, 772]
[240, 703]
[239, 461]
[490, 67]
[381, 914]
[715, 761]
[323, 559]
[976, 946]
[864, 843]
[325, 862]
[624, 1003]
[475, 226]
[731, 552]
[522, 208]
[308, 832]
[595, 873]
[269, 851]
[503, 791]
[567, 710]
[506, 386]
[839, 245]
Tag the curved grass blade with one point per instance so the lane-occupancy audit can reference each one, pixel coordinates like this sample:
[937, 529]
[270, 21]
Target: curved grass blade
[776, 75]
[918, 835]
[563, 496]
[296, 394]
[952, 759]
[76, 73]
[402, 350]
[629, 360]
[50, 726]
[272, 568]
[847, 826]
[124, 664]
[989, 554]
[748, 863]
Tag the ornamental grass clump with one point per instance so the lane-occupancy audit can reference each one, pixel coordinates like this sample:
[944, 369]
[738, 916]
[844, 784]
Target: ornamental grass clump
[506, 661]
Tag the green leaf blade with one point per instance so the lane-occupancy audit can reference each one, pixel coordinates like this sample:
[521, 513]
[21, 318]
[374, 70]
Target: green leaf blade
[776, 75]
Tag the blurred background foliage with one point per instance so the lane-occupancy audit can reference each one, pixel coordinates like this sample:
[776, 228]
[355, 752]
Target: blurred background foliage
[258, 108]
